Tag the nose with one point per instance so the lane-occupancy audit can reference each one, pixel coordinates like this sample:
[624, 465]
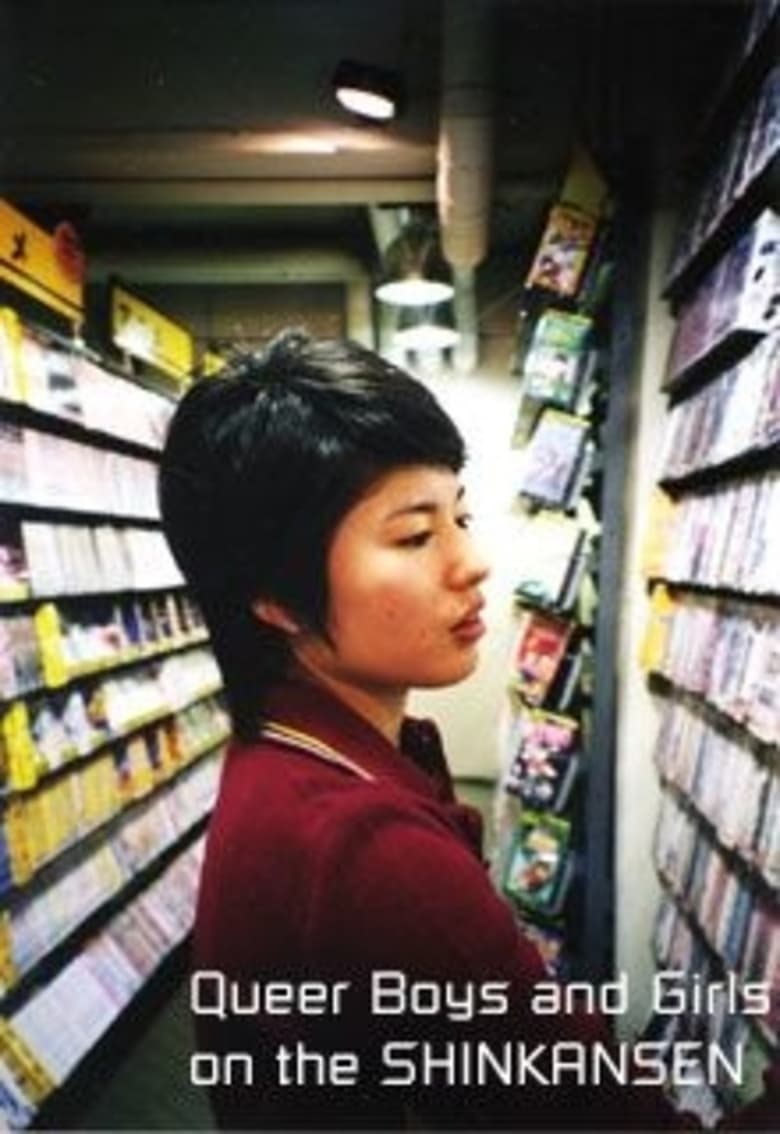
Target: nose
[468, 567]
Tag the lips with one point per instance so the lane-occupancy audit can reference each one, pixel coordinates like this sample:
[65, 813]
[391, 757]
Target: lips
[471, 626]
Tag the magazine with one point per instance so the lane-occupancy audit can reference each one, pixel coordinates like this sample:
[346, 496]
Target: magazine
[563, 250]
[545, 758]
[555, 544]
[556, 356]
[554, 457]
[539, 863]
[541, 645]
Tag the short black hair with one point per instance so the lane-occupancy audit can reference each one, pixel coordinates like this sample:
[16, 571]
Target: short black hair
[259, 466]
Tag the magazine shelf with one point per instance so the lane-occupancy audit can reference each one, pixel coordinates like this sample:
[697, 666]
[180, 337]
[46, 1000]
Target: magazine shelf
[738, 213]
[47, 421]
[40, 558]
[746, 463]
[733, 306]
[712, 645]
[738, 860]
[726, 591]
[734, 179]
[128, 662]
[44, 470]
[123, 799]
[131, 657]
[725, 650]
[765, 1031]
[111, 726]
[664, 685]
[71, 387]
[723, 538]
[62, 1107]
[755, 54]
[73, 757]
[689, 586]
[27, 957]
[553, 859]
[63, 513]
[737, 921]
[727, 352]
[29, 601]
[735, 418]
[44, 1046]
[73, 939]
[75, 640]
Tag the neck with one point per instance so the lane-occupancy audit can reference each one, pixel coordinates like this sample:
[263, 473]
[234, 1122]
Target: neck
[383, 708]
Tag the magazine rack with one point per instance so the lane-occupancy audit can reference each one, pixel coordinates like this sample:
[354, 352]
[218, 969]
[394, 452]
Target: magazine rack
[556, 799]
[111, 721]
[712, 645]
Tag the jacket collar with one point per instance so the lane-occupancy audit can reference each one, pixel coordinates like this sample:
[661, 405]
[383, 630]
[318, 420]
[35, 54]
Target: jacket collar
[418, 764]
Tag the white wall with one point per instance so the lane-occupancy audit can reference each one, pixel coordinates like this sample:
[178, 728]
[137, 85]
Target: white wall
[637, 792]
[484, 406]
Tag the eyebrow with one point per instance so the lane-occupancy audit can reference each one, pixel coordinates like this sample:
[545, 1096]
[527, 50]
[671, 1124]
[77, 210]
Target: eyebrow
[422, 507]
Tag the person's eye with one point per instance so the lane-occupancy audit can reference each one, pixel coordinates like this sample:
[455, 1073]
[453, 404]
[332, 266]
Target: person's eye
[419, 539]
[464, 520]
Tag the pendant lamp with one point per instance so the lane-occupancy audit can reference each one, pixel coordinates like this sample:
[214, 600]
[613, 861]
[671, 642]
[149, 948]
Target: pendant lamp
[426, 329]
[414, 273]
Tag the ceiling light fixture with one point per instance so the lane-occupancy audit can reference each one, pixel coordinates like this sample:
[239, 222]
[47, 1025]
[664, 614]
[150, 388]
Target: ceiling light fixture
[368, 91]
[414, 273]
[295, 143]
[426, 329]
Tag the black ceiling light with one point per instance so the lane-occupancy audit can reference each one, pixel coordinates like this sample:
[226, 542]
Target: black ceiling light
[368, 91]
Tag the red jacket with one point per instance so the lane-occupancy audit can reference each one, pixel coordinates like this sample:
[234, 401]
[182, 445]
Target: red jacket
[319, 872]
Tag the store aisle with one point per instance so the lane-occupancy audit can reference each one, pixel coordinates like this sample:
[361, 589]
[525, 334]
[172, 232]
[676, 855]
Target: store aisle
[150, 1090]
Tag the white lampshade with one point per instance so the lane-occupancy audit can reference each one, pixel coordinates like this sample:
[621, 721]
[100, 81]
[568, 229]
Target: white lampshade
[426, 329]
[414, 273]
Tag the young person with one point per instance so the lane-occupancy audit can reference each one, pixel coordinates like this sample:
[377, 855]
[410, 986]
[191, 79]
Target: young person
[353, 962]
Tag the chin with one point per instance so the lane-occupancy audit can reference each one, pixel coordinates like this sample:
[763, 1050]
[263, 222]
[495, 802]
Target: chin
[451, 675]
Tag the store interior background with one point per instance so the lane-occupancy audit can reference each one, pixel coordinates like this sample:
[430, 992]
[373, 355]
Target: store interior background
[192, 146]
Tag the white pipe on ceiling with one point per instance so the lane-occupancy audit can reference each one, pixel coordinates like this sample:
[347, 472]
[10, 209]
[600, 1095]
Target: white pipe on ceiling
[464, 172]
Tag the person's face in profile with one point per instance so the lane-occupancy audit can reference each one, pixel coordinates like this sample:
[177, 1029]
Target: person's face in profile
[404, 586]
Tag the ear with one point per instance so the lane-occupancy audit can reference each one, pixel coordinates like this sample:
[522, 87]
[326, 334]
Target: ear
[273, 614]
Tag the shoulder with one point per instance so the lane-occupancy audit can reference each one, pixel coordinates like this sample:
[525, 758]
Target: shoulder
[395, 884]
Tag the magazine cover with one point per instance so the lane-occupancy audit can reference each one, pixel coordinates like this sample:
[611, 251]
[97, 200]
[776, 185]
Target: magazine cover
[540, 647]
[545, 760]
[539, 863]
[555, 361]
[553, 457]
[563, 250]
[552, 544]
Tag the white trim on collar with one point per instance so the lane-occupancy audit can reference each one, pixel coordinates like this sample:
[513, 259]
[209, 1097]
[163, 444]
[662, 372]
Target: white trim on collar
[312, 745]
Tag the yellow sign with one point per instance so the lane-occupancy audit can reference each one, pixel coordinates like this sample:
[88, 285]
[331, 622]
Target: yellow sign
[211, 363]
[47, 266]
[146, 334]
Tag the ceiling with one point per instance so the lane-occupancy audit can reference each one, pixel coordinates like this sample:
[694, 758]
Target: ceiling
[181, 125]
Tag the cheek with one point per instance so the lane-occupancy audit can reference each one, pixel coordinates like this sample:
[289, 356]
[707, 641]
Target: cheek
[399, 607]
[393, 598]
[406, 622]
